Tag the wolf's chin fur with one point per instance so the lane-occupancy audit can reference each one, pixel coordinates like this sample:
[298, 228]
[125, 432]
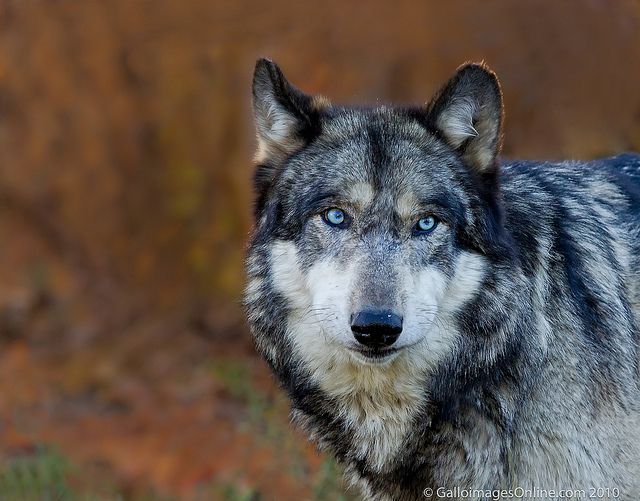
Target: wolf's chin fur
[375, 359]
[517, 362]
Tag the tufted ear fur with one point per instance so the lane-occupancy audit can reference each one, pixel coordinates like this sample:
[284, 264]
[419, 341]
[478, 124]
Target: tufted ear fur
[468, 114]
[285, 118]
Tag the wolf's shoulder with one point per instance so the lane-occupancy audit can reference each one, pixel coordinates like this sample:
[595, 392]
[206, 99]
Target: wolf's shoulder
[574, 177]
[627, 163]
[569, 201]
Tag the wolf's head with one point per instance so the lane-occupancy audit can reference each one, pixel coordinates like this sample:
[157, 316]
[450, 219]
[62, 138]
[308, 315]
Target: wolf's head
[374, 227]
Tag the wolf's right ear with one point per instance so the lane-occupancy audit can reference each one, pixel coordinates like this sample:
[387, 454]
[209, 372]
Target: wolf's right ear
[285, 118]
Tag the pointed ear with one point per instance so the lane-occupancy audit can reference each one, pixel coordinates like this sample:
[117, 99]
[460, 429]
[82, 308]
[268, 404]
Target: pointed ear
[468, 114]
[285, 117]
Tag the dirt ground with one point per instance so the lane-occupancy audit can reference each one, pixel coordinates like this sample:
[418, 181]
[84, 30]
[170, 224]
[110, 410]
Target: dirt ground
[160, 412]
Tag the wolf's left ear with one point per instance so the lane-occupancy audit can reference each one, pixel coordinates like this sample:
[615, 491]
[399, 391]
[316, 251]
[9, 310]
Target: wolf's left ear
[468, 114]
[285, 117]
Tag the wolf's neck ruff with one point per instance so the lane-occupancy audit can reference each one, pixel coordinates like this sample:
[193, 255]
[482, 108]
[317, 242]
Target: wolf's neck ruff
[513, 360]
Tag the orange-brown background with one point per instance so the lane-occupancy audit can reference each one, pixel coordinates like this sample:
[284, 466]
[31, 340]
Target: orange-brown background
[125, 167]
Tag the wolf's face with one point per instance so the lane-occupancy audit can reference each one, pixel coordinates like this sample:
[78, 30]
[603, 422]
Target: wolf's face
[368, 247]
[374, 226]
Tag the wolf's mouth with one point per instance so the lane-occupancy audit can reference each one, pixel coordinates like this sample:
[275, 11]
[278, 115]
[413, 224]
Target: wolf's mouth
[375, 355]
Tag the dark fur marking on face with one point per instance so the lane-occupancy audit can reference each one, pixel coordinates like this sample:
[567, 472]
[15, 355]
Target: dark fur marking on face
[380, 160]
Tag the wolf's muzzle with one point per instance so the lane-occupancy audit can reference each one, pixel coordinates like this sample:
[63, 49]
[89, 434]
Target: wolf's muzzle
[376, 328]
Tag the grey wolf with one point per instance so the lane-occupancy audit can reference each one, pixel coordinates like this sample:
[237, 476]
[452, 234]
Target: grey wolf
[440, 318]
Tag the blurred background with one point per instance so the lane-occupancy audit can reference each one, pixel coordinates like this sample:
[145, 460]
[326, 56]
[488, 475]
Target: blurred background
[126, 369]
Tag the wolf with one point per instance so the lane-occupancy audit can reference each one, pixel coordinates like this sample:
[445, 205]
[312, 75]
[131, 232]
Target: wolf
[447, 324]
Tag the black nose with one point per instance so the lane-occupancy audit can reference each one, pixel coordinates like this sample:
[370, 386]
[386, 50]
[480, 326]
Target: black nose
[376, 328]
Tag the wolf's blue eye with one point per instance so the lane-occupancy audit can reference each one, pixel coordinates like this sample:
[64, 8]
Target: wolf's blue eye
[426, 224]
[335, 217]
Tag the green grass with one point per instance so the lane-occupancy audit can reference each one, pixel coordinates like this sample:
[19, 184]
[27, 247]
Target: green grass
[327, 486]
[41, 476]
[235, 493]
[46, 475]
